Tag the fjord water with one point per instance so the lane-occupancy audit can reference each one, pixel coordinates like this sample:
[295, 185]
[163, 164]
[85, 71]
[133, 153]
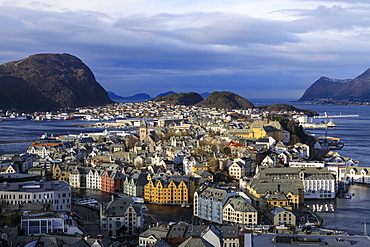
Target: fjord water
[348, 214]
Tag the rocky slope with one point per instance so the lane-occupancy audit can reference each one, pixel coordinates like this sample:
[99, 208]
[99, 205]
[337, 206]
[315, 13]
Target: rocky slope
[45, 82]
[357, 89]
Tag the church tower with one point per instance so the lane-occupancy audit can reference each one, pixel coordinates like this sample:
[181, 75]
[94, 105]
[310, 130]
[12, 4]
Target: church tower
[143, 130]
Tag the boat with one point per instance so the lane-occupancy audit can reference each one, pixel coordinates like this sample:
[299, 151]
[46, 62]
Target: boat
[346, 196]
[69, 117]
[333, 143]
[331, 124]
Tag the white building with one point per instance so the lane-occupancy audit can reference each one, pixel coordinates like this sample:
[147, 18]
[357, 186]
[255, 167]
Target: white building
[121, 215]
[56, 195]
[41, 224]
[93, 179]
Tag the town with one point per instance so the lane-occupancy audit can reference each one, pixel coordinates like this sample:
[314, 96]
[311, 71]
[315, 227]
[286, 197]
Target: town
[244, 174]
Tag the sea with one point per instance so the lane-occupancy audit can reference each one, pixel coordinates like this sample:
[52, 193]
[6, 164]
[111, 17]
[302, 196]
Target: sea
[349, 215]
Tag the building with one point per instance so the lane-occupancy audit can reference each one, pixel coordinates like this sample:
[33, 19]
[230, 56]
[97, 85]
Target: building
[151, 236]
[164, 189]
[121, 216]
[51, 195]
[209, 204]
[237, 210]
[282, 215]
[134, 185]
[112, 181]
[318, 182]
[42, 224]
[270, 201]
[358, 174]
[93, 178]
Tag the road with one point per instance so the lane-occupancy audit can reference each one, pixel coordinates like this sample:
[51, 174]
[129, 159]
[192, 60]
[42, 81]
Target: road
[88, 219]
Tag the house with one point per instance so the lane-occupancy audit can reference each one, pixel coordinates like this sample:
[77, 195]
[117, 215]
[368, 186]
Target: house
[134, 184]
[238, 211]
[269, 201]
[209, 203]
[112, 181]
[358, 174]
[281, 215]
[93, 178]
[151, 236]
[121, 216]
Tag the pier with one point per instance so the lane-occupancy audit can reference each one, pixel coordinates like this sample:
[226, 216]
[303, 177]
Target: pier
[5, 142]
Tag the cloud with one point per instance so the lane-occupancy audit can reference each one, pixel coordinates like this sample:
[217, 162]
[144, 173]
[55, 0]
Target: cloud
[194, 49]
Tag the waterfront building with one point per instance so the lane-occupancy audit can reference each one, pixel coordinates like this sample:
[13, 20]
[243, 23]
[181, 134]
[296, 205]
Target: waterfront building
[358, 174]
[121, 216]
[77, 177]
[282, 215]
[134, 184]
[318, 183]
[51, 195]
[93, 178]
[292, 188]
[62, 172]
[269, 201]
[164, 189]
[112, 181]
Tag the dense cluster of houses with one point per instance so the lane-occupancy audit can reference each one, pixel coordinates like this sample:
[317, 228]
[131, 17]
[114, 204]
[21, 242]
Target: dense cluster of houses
[231, 171]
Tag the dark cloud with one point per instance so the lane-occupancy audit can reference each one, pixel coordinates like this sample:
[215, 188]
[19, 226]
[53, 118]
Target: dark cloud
[196, 51]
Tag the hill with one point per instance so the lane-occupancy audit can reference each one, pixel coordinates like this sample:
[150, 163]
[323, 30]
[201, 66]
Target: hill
[44, 82]
[165, 93]
[357, 89]
[286, 107]
[180, 98]
[225, 100]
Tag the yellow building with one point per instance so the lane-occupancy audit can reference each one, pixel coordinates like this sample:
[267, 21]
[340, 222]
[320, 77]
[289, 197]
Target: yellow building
[199, 166]
[292, 189]
[269, 201]
[259, 129]
[165, 189]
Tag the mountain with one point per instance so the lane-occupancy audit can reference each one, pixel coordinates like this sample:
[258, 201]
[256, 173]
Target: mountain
[340, 90]
[225, 100]
[166, 93]
[136, 97]
[356, 89]
[44, 82]
[323, 88]
[180, 98]
[205, 95]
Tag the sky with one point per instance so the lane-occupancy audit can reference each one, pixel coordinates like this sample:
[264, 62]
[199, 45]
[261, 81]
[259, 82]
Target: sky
[257, 49]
